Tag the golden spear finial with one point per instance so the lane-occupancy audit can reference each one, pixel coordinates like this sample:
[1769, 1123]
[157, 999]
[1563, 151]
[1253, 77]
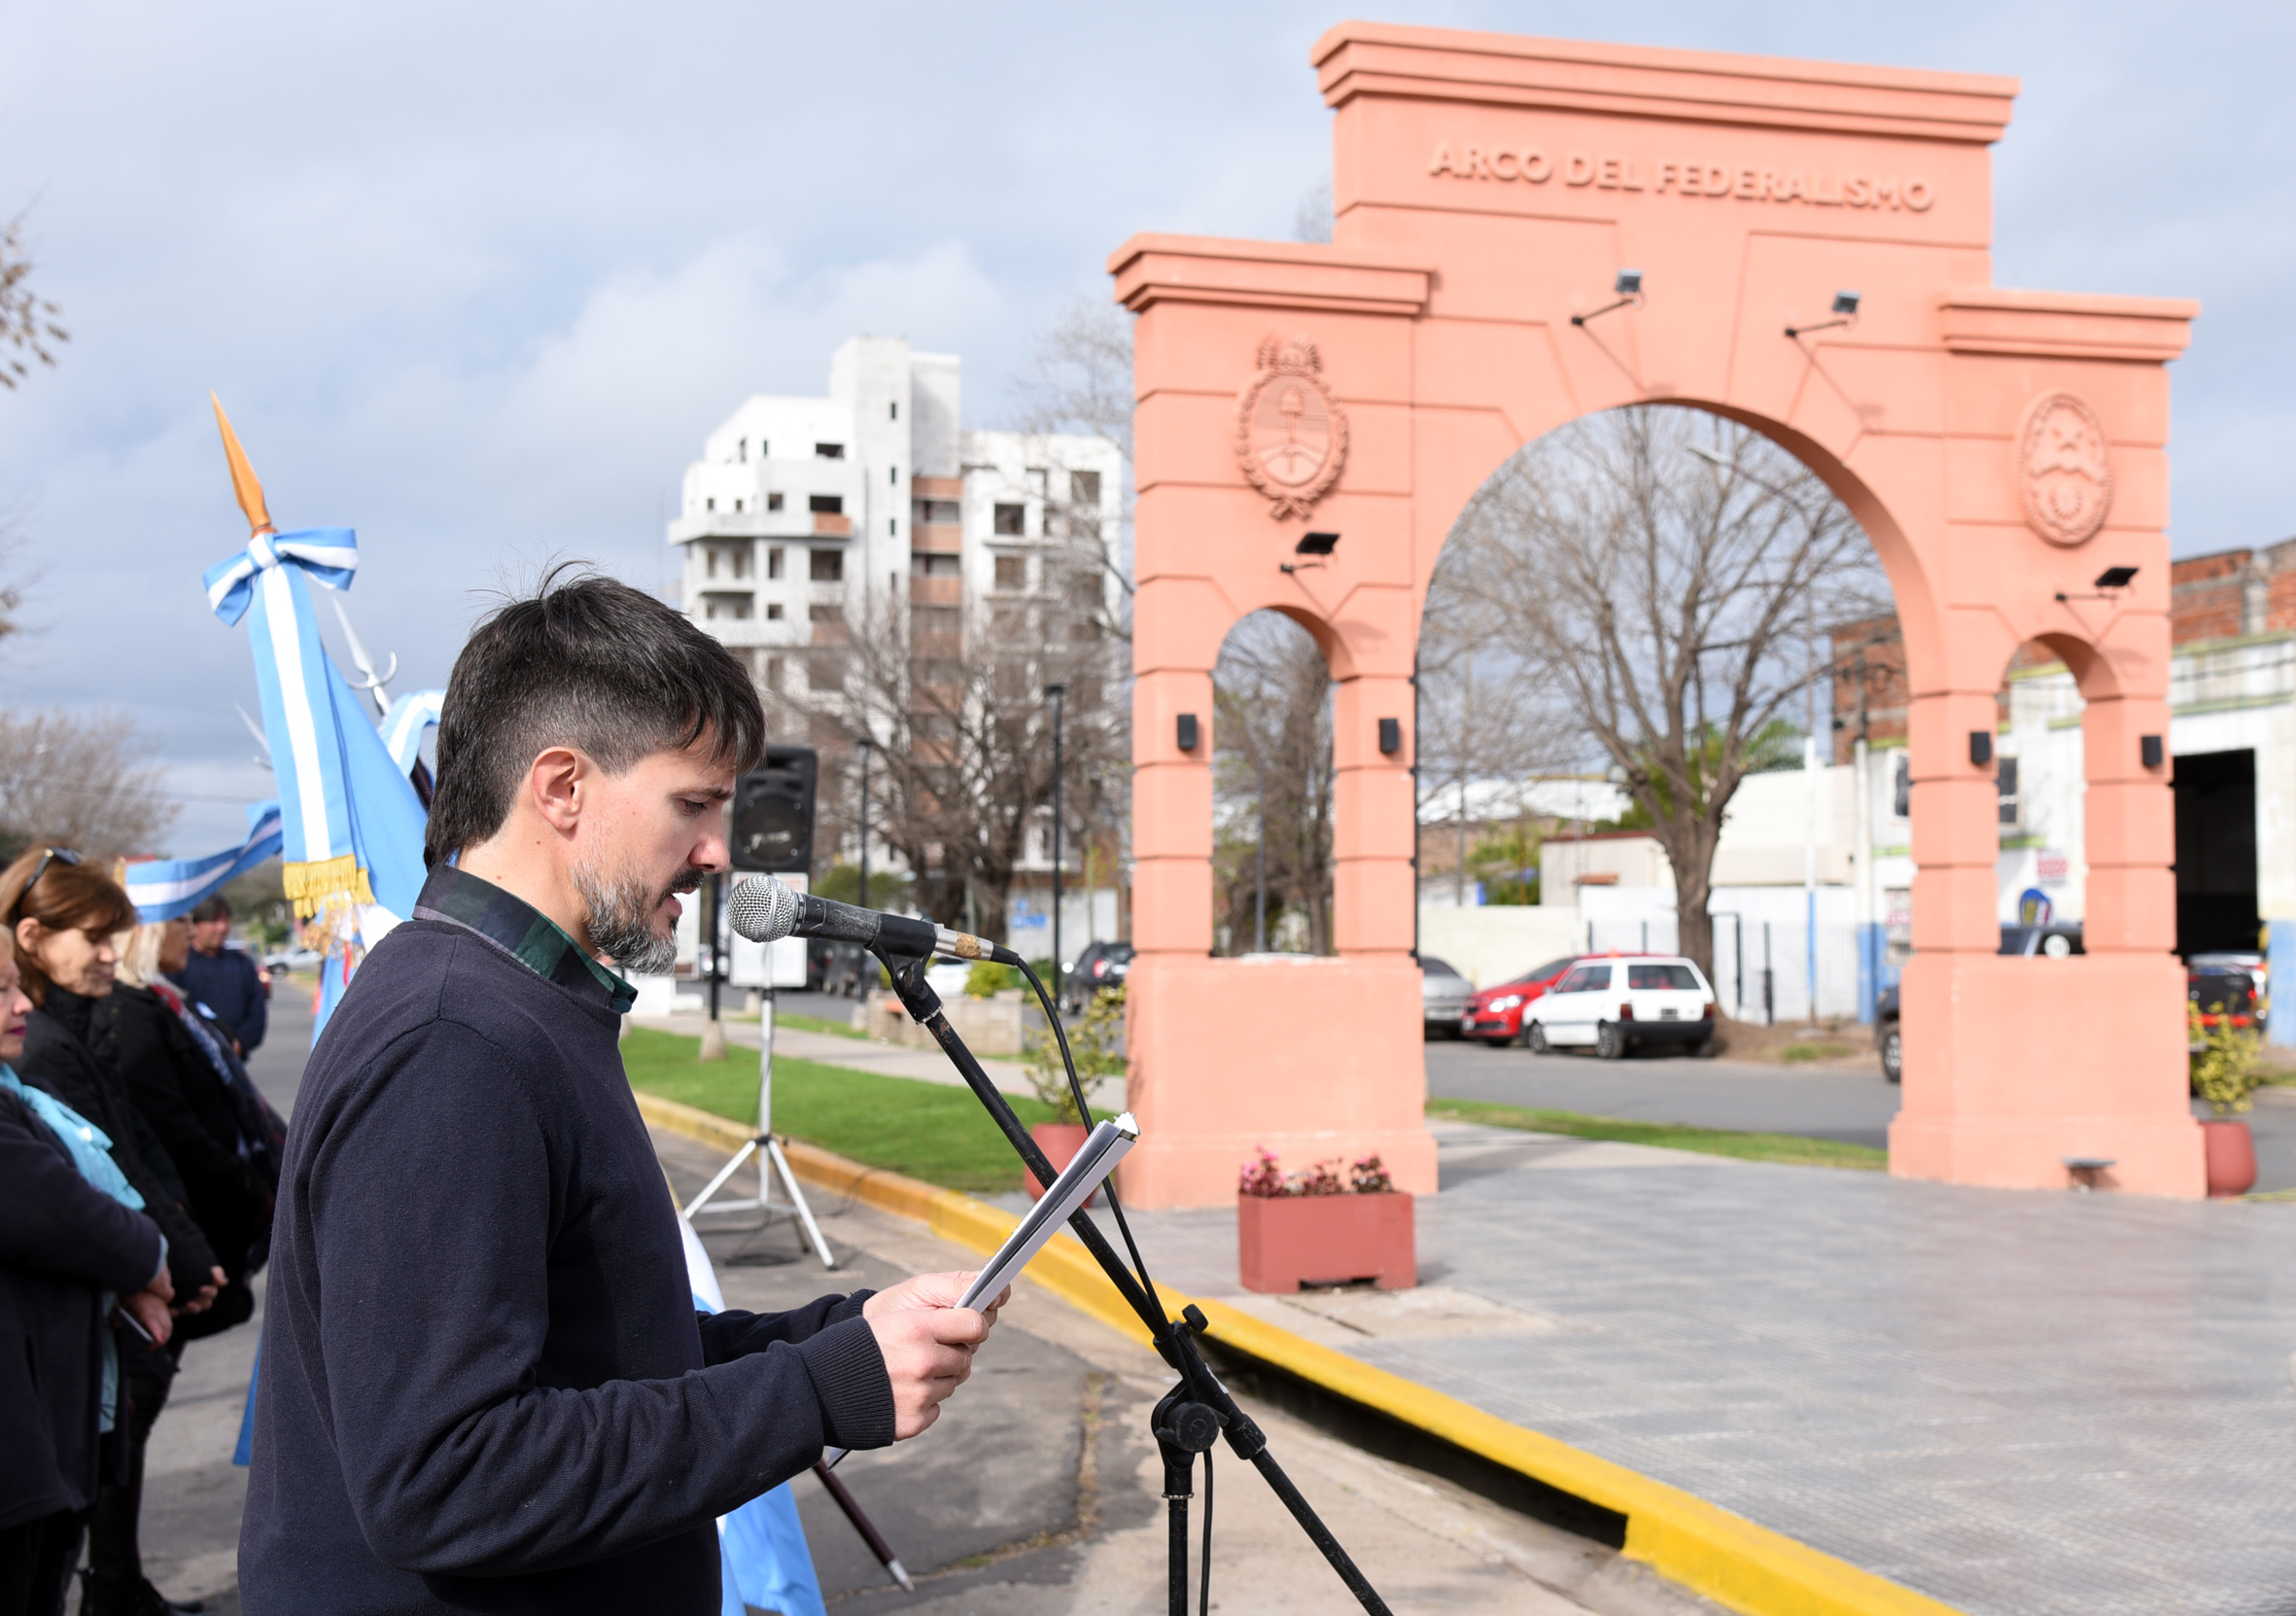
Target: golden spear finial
[243, 483]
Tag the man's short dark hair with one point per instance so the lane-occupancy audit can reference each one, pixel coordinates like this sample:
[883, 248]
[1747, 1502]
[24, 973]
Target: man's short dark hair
[217, 907]
[592, 664]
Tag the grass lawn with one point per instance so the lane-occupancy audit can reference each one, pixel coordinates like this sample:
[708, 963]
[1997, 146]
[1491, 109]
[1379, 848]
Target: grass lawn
[930, 1131]
[816, 1024]
[1671, 1136]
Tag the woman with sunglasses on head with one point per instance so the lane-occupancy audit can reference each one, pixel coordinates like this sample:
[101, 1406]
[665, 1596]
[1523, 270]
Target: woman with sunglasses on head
[63, 915]
[214, 1130]
[72, 1248]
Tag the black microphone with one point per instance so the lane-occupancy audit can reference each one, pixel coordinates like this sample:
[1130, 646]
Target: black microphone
[763, 910]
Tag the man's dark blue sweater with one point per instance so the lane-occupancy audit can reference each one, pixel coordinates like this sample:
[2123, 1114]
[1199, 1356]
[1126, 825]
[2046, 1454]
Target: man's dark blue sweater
[484, 1385]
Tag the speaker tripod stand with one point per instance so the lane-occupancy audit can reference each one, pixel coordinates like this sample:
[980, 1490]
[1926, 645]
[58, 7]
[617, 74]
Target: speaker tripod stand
[767, 1149]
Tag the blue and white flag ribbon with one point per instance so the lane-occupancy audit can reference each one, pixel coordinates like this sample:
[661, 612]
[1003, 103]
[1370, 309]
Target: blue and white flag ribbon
[762, 1556]
[403, 726]
[161, 888]
[330, 554]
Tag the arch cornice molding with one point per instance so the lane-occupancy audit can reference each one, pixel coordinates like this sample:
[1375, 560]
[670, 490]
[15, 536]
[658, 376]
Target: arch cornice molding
[2065, 325]
[1358, 59]
[1151, 269]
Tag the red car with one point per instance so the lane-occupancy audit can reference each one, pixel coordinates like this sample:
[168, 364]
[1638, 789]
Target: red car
[1495, 1014]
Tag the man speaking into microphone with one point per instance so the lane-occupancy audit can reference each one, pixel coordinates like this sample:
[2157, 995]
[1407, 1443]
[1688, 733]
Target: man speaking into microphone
[484, 1385]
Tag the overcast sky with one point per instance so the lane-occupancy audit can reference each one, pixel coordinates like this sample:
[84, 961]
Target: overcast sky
[476, 279]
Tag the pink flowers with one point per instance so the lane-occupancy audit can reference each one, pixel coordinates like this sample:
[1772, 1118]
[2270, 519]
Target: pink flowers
[1263, 1177]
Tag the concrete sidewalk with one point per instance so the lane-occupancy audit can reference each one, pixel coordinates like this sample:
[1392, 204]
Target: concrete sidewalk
[1038, 1491]
[2021, 1404]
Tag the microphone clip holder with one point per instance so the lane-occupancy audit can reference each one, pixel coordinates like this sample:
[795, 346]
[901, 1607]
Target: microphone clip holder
[1198, 1411]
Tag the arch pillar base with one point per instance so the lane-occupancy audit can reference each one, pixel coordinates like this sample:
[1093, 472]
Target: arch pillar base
[2014, 1065]
[1310, 1058]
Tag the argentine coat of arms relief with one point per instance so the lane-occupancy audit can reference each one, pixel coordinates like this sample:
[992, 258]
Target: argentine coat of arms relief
[2064, 468]
[1290, 434]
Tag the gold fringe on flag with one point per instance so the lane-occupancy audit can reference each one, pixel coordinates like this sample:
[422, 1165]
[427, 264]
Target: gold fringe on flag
[312, 884]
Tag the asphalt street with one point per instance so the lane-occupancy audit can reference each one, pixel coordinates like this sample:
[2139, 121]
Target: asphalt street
[1853, 1105]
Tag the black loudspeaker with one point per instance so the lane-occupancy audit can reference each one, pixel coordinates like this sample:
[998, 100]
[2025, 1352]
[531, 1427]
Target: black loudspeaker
[773, 822]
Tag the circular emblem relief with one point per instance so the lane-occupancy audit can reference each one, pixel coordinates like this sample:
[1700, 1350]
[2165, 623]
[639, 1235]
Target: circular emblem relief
[1290, 434]
[2064, 469]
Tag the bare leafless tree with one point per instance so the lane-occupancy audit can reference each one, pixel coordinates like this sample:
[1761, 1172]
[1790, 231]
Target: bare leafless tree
[1657, 574]
[1271, 694]
[85, 781]
[28, 320]
[1480, 721]
[963, 765]
[1314, 220]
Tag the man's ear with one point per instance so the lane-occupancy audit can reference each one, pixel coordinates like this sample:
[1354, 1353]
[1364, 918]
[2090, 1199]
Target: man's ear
[557, 784]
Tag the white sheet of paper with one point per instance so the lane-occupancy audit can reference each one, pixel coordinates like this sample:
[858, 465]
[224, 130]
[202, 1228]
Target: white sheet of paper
[1094, 1160]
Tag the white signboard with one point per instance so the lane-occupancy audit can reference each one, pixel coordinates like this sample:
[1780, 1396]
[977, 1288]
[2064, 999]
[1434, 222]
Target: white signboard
[746, 960]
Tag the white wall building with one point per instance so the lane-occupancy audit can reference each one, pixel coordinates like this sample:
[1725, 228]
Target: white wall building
[808, 518]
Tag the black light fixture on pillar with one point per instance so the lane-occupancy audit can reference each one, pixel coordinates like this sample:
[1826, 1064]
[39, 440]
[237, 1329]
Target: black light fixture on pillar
[1054, 694]
[2108, 585]
[1317, 544]
[1626, 287]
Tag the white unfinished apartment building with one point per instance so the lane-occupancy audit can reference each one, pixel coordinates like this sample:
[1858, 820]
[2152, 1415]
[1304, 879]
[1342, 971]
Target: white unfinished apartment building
[808, 519]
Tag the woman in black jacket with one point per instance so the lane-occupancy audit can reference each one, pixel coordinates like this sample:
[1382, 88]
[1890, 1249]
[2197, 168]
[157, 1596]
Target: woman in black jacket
[66, 1248]
[64, 915]
[185, 1096]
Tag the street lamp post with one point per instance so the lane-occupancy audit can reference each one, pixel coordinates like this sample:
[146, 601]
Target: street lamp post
[864, 745]
[1260, 898]
[1055, 693]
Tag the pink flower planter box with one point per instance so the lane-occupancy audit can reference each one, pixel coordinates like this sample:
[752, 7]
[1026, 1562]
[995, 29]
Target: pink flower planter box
[1285, 1241]
[2231, 1156]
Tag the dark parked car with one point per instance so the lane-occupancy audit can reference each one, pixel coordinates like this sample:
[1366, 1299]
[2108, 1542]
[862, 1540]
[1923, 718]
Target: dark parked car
[2057, 940]
[1444, 997]
[1885, 1037]
[1103, 964]
[2223, 994]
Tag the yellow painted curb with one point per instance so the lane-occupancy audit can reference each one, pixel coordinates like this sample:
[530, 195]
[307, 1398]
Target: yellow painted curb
[1725, 1557]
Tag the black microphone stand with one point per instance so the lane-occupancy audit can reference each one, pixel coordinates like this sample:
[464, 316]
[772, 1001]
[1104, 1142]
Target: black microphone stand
[1198, 1411]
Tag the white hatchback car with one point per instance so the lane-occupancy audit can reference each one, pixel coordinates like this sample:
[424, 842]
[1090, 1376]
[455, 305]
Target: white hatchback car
[1618, 1003]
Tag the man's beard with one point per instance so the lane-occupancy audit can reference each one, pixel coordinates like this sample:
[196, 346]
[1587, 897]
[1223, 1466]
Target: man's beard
[621, 909]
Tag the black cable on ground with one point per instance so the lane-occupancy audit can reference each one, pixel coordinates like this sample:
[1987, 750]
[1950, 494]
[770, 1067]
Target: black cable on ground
[1205, 1582]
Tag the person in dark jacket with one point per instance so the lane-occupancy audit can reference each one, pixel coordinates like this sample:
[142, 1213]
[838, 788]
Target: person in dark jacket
[65, 915]
[184, 1092]
[67, 1248]
[484, 1382]
[223, 978]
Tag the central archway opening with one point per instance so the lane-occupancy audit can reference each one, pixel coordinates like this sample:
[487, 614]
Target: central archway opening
[1641, 725]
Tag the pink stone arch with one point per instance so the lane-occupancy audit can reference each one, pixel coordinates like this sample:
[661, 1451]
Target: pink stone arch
[1749, 192]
